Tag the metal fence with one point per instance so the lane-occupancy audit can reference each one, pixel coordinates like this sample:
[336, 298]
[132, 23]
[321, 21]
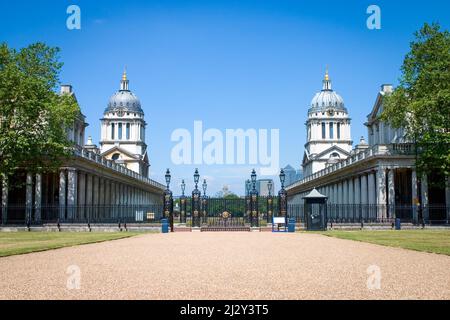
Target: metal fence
[152, 213]
[354, 213]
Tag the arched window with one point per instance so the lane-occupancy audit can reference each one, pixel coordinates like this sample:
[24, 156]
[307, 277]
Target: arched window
[323, 130]
[113, 127]
[115, 156]
[338, 130]
[331, 130]
[120, 131]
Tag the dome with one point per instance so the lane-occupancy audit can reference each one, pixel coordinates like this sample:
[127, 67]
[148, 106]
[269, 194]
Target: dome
[327, 99]
[124, 99]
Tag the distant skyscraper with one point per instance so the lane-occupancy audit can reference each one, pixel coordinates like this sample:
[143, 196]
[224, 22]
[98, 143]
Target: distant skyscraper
[292, 175]
[262, 186]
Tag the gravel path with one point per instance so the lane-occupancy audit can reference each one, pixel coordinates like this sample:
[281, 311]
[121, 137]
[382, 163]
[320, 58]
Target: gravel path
[226, 266]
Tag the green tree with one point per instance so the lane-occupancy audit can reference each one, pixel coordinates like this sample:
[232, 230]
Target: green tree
[421, 102]
[231, 195]
[33, 117]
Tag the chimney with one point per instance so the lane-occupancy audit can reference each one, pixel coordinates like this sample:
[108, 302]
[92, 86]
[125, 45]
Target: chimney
[387, 88]
[66, 89]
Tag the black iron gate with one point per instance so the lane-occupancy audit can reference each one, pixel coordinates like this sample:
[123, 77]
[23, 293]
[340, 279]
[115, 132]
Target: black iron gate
[225, 212]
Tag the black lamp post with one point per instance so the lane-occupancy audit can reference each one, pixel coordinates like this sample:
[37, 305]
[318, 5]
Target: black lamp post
[282, 197]
[254, 202]
[204, 202]
[247, 200]
[269, 201]
[183, 187]
[196, 202]
[168, 201]
[183, 203]
[282, 178]
[168, 177]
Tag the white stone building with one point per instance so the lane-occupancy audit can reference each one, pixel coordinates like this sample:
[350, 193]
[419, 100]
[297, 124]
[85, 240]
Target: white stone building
[123, 130]
[328, 130]
[377, 179]
[110, 184]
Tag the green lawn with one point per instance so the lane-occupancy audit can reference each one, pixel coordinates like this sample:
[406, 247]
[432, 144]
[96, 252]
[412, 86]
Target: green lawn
[12, 243]
[435, 241]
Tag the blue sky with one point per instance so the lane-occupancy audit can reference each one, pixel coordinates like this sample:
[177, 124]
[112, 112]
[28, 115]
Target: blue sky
[232, 64]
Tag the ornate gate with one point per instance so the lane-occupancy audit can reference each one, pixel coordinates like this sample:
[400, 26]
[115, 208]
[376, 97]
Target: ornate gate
[227, 213]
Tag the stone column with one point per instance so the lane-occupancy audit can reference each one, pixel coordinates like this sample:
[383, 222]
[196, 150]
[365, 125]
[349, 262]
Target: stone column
[371, 193]
[38, 198]
[357, 190]
[29, 197]
[391, 193]
[101, 197]
[381, 192]
[82, 195]
[89, 196]
[72, 193]
[62, 194]
[134, 196]
[351, 192]
[424, 184]
[4, 200]
[364, 191]
[335, 195]
[118, 188]
[415, 196]
[345, 192]
[108, 198]
[339, 193]
[95, 197]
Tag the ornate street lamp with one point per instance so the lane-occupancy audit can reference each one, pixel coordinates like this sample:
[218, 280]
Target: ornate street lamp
[282, 178]
[254, 202]
[168, 178]
[196, 178]
[282, 198]
[168, 201]
[196, 201]
[269, 201]
[183, 187]
[204, 186]
[183, 203]
[253, 176]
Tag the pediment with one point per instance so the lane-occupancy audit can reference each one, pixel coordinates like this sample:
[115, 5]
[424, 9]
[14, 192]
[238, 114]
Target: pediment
[108, 153]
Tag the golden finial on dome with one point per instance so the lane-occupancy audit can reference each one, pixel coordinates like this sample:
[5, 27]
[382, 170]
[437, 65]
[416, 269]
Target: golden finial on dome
[327, 77]
[124, 76]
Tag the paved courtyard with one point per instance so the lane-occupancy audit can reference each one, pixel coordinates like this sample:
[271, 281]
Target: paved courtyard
[226, 266]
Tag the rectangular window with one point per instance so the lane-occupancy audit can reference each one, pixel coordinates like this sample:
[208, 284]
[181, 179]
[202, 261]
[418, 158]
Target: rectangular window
[128, 131]
[113, 126]
[120, 131]
[323, 130]
[338, 130]
[331, 130]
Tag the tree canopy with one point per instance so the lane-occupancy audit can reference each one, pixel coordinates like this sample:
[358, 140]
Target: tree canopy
[33, 116]
[421, 102]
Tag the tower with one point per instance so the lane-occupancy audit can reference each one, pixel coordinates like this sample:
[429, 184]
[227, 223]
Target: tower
[123, 130]
[328, 130]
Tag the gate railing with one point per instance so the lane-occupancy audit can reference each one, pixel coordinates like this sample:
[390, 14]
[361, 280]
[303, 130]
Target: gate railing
[21, 214]
[371, 213]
